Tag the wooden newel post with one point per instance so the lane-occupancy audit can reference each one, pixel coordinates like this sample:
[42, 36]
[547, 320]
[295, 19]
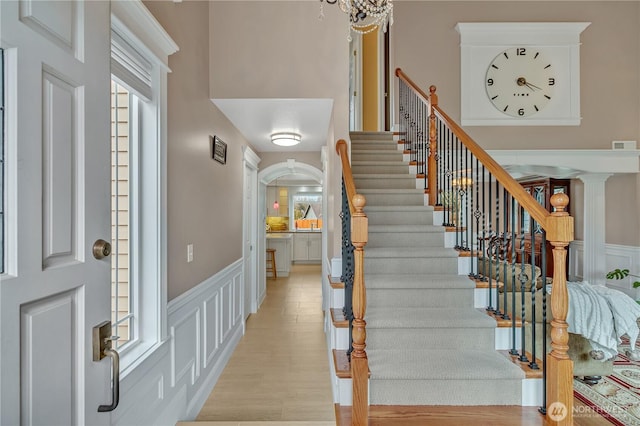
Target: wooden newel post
[359, 361]
[432, 168]
[559, 365]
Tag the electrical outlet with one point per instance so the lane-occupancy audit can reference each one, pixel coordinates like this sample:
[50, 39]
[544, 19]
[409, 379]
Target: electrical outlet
[189, 253]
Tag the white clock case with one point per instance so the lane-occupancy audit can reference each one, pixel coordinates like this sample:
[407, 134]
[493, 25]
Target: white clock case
[481, 42]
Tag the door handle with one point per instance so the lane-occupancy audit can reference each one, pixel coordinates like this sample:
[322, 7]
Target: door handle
[115, 384]
[102, 339]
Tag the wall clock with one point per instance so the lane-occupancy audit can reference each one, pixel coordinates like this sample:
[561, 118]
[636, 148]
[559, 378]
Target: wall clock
[520, 81]
[525, 73]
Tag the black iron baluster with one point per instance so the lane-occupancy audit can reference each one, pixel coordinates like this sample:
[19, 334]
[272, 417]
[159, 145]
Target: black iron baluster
[490, 248]
[522, 279]
[499, 274]
[466, 186]
[505, 247]
[484, 228]
[514, 206]
[533, 364]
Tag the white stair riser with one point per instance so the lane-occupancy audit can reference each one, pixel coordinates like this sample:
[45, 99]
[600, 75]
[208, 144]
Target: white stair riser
[532, 392]
[374, 145]
[504, 339]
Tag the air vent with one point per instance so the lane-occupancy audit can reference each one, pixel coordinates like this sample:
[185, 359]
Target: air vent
[624, 145]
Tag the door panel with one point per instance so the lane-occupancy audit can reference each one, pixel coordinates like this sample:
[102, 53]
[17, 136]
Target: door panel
[58, 56]
[59, 171]
[42, 367]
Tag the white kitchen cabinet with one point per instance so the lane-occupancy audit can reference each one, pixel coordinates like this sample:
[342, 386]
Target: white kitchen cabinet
[307, 247]
[281, 242]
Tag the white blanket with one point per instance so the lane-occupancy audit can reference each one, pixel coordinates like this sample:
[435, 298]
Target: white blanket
[602, 315]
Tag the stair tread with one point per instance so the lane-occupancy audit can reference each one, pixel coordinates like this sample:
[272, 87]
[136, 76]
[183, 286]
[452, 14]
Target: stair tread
[410, 252]
[356, 151]
[382, 176]
[440, 364]
[407, 228]
[417, 281]
[380, 163]
[430, 318]
[400, 208]
[365, 191]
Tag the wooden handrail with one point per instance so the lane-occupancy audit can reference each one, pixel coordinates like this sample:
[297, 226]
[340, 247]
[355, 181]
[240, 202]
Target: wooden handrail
[511, 185]
[359, 237]
[402, 76]
[559, 227]
[341, 149]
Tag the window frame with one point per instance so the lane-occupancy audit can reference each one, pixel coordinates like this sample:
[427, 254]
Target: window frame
[148, 189]
[10, 192]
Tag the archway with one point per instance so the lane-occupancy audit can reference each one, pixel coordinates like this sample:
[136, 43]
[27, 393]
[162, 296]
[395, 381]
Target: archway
[266, 176]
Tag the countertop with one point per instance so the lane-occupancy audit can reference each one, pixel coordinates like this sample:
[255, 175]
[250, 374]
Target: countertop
[279, 235]
[299, 231]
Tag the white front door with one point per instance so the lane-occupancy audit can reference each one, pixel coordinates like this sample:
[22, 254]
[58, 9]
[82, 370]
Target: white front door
[250, 220]
[58, 137]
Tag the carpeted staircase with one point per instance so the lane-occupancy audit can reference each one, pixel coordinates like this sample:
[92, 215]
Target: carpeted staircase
[426, 343]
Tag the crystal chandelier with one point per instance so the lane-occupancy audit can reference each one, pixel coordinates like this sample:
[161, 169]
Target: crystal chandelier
[365, 16]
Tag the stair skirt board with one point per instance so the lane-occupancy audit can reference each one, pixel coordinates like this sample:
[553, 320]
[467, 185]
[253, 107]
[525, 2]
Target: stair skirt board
[427, 343]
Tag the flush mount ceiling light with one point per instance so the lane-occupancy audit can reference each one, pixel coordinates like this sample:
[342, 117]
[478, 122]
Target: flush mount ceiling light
[285, 139]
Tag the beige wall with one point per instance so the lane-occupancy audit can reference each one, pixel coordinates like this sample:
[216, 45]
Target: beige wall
[426, 47]
[622, 213]
[204, 197]
[280, 49]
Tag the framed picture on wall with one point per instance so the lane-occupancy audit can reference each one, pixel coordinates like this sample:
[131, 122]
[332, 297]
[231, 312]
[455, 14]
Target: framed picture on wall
[219, 150]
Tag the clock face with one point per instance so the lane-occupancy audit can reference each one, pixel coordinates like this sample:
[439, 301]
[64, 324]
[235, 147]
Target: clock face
[520, 81]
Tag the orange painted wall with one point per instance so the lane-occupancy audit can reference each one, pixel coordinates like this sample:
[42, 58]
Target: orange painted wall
[370, 81]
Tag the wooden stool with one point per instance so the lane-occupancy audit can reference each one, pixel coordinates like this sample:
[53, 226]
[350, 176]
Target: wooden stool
[271, 262]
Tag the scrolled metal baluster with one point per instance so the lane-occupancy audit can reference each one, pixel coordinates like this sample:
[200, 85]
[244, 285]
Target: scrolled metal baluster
[514, 206]
[523, 278]
[533, 364]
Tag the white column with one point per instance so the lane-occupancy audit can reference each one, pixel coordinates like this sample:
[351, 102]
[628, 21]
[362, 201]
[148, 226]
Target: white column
[594, 260]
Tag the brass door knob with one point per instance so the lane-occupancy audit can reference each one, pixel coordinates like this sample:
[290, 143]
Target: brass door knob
[101, 249]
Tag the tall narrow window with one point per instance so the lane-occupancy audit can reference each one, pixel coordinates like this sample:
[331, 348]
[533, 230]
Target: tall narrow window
[2, 180]
[122, 122]
[138, 185]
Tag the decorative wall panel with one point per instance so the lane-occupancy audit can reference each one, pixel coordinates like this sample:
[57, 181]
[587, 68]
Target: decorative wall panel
[185, 347]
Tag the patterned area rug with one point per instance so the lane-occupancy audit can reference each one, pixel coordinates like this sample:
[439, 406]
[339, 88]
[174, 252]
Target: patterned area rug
[615, 397]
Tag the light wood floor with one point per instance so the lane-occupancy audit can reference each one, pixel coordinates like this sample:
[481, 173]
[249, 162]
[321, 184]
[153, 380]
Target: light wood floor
[279, 371]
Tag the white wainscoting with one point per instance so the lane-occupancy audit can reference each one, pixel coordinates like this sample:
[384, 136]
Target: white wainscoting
[617, 256]
[204, 326]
